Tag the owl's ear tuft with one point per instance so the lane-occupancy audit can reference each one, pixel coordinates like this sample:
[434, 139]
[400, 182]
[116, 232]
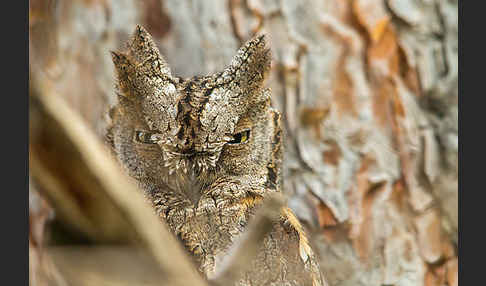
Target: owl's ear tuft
[144, 50]
[120, 60]
[251, 64]
[125, 71]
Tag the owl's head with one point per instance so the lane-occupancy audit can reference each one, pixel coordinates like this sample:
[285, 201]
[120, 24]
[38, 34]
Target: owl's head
[187, 134]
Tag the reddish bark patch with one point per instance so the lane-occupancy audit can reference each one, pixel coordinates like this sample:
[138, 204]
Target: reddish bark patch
[371, 15]
[382, 104]
[332, 156]
[156, 19]
[343, 89]
[325, 215]
[313, 116]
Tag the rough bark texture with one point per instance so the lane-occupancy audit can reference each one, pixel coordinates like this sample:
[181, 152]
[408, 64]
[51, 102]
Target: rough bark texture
[369, 95]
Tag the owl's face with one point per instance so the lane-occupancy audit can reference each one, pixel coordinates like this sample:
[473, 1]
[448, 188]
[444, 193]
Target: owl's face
[189, 135]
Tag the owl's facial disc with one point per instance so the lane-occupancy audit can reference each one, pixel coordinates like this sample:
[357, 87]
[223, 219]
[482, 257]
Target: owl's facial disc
[183, 131]
[187, 154]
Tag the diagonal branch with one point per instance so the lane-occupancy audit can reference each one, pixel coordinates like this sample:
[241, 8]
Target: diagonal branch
[89, 191]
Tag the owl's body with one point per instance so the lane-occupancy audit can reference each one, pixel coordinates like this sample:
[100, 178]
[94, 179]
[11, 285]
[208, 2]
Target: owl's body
[207, 150]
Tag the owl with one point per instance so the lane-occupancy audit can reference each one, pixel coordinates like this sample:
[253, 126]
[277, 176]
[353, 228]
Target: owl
[206, 150]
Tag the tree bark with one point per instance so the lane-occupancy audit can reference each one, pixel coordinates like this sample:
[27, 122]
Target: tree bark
[369, 96]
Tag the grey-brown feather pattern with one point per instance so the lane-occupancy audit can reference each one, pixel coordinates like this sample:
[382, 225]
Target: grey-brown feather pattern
[206, 150]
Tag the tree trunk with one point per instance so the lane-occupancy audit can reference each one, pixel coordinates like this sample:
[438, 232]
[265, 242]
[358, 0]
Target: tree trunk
[369, 96]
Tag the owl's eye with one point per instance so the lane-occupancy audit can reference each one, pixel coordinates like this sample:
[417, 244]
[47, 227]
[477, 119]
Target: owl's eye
[146, 137]
[241, 137]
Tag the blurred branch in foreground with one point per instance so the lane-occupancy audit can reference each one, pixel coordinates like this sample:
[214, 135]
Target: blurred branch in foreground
[89, 191]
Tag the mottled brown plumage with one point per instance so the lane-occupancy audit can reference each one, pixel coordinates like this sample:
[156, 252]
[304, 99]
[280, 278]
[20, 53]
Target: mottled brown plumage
[207, 150]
